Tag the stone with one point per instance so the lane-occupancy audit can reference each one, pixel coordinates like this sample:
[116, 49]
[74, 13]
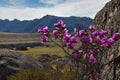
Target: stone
[12, 61]
[109, 18]
[47, 58]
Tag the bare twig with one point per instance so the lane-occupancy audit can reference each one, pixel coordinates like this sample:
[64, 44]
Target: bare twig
[61, 47]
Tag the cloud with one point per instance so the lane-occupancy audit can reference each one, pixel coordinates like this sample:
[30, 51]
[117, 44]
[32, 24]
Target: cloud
[67, 8]
[10, 2]
[51, 2]
[20, 3]
[26, 13]
[15, 2]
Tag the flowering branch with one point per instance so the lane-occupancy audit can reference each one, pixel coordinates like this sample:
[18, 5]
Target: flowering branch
[60, 47]
[91, 43]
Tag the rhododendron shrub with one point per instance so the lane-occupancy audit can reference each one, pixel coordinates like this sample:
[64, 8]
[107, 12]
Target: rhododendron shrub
[83, 46]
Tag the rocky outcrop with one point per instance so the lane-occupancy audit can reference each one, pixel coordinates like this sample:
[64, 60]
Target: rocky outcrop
[109, 18]
[58, 63]
[46, 57]
[11, 61]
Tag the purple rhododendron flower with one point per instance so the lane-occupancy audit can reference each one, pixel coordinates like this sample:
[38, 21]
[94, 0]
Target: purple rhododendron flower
[90, 40]
[116, 36]
[45, 29]
[44, 39]
[86, 39]
[65, 31]
[110, 42]
[93, 59]
[55, 32]
[67, 38]
[92, 28]
[40, 30]
[76, 56]
[70, 46]
[76, 34]
[82, 32]
[60, 24]
[75, 30]
[84, 55]
[74, 39]
[104, 32]
[103, 41]
[97, 38]
[95, 33]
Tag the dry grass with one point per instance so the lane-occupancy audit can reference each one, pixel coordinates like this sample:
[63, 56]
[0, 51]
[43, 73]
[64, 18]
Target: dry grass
[30, 74]
[35, 74]
[13, 38]
[37, 51]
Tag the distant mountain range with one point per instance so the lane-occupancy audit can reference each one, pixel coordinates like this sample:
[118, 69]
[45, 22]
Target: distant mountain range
[31, 26]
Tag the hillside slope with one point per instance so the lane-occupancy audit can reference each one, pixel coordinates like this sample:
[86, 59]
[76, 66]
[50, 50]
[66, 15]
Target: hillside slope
[27, 26]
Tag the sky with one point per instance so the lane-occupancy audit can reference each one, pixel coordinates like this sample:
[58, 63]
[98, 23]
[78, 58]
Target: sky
[31, 9]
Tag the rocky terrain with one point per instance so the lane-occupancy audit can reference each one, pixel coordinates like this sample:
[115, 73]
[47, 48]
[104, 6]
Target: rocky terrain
[109, 18]
[11, 61]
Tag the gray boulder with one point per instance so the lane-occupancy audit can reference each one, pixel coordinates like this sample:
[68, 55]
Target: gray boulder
[11, 61]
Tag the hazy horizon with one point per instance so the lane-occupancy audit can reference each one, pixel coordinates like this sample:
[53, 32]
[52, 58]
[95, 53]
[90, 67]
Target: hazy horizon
[44, 16]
